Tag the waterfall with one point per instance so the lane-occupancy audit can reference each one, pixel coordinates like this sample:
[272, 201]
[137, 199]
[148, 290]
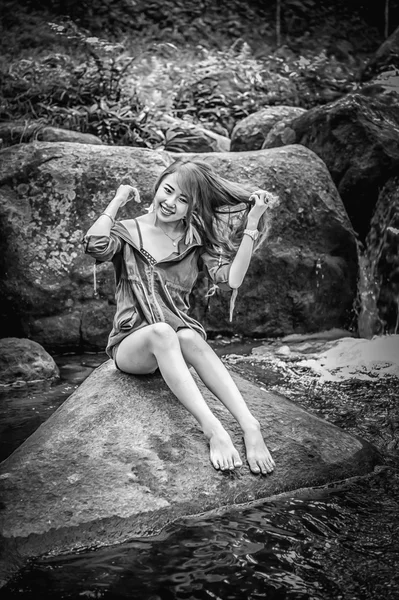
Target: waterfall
[369, 322]
[378, 285]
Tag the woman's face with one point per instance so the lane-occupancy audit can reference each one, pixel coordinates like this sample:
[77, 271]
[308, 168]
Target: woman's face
[170, 203]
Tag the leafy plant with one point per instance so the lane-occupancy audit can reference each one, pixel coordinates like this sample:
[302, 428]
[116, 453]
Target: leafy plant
[227, 85]
[85, 96]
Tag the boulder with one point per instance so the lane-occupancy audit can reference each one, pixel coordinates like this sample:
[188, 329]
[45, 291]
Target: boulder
[17, 132]
[49, 195]
[122, 458]
[304, 276]
[182, 136]
[250, 133]
[303, 279]
[358, 139]
[282, 132]
[25, 360]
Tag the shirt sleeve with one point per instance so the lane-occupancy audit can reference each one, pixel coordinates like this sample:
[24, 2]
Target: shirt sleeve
[218, 269]
[101, 247]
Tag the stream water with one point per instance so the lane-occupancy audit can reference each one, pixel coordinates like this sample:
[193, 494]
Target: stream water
[335, 542]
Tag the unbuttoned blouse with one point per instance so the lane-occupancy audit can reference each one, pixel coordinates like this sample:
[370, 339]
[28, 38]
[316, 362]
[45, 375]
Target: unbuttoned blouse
[148, 291]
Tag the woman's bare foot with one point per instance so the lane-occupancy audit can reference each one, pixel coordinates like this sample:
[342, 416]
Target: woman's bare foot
[223, 454]
[258, 456]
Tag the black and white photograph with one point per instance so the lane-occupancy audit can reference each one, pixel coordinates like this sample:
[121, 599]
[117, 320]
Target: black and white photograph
[199, 300]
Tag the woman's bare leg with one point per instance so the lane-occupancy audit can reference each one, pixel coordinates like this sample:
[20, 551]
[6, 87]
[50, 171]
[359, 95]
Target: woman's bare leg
[158, 346]
[216, 377]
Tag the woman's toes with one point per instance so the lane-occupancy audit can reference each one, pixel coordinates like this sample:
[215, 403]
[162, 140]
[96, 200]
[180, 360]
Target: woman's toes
[215, 464]
[260, 466]
[225, 462]
[258, 456]
[223, 454]
[254, 467]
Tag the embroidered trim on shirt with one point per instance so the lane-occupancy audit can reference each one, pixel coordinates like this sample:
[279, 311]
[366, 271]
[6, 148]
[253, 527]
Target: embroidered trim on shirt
[148, 256]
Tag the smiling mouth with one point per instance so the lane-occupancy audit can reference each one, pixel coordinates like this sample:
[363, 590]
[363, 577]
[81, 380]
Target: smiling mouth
[166, 211]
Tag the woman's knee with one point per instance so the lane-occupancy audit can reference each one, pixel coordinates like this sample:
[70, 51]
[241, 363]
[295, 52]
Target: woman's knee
[189, 338]
[162, 335]
[187, 334]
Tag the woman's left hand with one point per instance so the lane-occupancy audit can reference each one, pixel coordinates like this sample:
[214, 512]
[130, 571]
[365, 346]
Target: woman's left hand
[262, 200]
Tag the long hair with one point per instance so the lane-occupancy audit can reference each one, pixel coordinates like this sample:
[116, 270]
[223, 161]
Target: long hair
[218, 208]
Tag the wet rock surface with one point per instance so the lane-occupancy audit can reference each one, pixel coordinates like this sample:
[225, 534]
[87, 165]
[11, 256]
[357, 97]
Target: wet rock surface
[351, 382]
[122, 458]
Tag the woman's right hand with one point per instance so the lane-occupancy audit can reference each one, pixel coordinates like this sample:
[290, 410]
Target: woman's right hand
[125, 193]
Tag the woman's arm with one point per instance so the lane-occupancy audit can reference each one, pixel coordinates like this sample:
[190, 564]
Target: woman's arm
[100, 242]
[102, 226]
[240, 264]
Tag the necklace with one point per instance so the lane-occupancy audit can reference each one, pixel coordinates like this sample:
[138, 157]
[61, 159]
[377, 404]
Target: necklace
[173, 240]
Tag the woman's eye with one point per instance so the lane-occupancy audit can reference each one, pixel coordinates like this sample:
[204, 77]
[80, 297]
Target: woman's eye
[167, 190]
[184, 200]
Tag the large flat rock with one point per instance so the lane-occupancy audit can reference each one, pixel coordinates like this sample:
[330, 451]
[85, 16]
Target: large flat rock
[122, 458]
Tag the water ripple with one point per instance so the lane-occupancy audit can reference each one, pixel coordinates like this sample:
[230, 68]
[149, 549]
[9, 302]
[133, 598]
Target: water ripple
[306, 549]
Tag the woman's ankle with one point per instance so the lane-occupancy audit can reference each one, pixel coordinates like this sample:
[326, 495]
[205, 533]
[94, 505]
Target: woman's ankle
[212, 428]
[250, 425]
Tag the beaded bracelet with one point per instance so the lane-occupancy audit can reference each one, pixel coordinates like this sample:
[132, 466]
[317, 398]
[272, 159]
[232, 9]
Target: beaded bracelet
[109, 217]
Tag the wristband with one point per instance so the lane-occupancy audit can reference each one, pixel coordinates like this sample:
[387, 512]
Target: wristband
[253, 233]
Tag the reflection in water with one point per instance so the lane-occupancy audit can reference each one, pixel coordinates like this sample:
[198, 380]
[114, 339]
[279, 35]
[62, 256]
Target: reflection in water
[328, 545]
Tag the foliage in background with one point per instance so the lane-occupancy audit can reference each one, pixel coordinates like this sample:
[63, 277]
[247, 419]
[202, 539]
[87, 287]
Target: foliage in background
[212, 22]
[122, 91]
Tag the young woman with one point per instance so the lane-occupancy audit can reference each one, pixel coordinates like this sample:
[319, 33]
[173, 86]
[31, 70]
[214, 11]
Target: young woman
[157, 258]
